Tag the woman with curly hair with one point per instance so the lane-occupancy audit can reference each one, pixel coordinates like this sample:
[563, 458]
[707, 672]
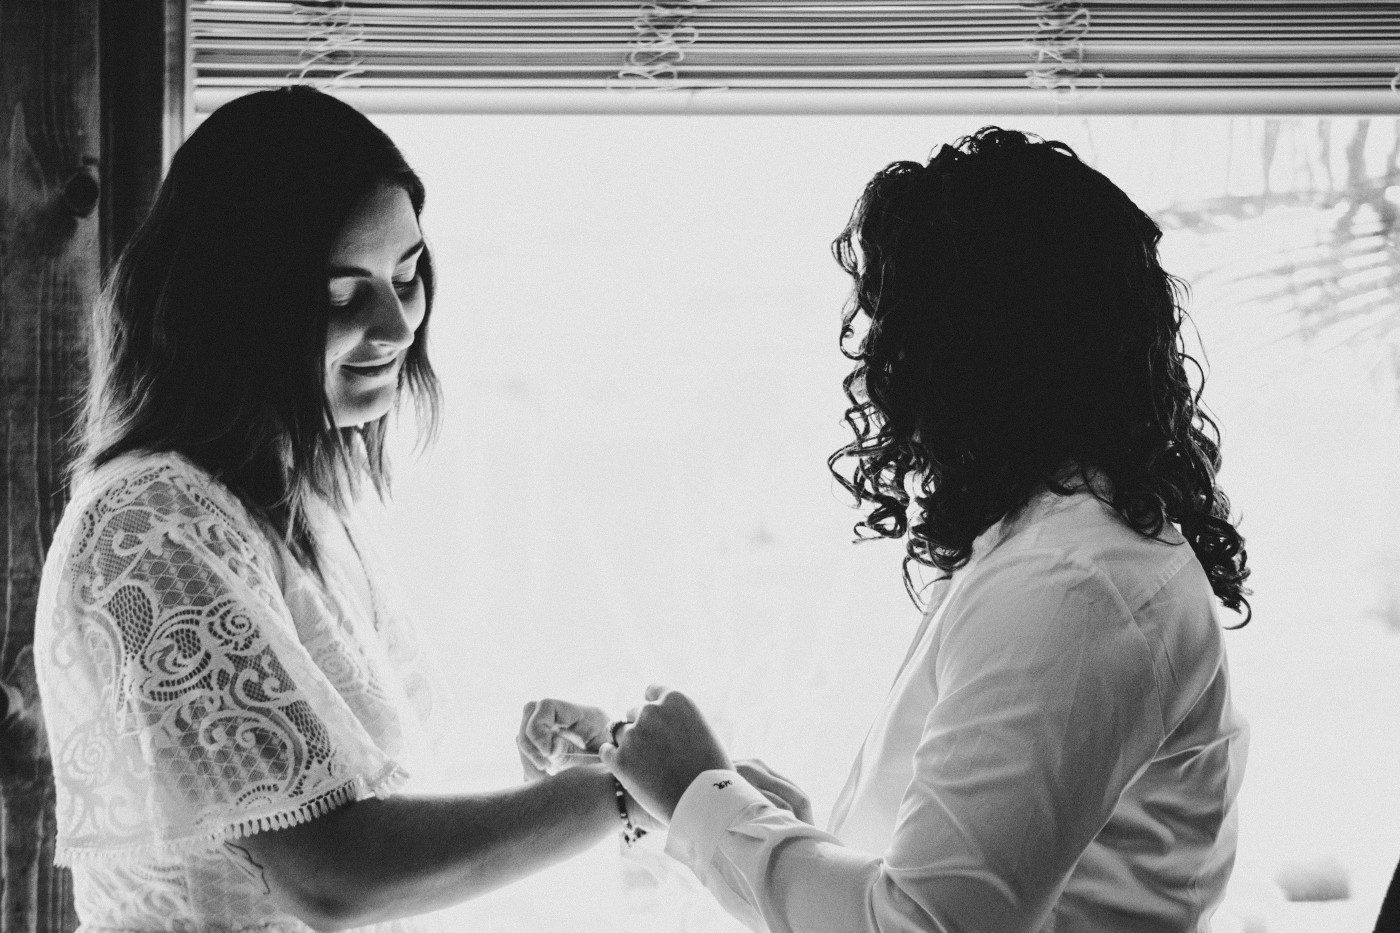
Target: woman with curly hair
[1059, 750]
[233, 697]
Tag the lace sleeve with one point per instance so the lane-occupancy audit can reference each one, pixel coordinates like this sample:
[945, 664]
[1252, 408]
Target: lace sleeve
[182, 708]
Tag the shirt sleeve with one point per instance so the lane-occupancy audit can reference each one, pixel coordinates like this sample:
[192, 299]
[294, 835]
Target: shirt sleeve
[187, 710]
[1047, 709]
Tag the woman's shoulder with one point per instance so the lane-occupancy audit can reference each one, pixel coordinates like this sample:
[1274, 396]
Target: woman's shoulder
[155, 492]
[1075, 561]
[1080, 530]
[164, 481]
[1153, 585]
[157, 521]
[133, 465]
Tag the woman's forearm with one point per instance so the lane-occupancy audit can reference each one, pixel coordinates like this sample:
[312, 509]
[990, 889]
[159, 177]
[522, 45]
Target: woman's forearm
[381, 859]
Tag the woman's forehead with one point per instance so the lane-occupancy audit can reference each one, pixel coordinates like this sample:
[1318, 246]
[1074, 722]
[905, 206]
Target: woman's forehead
[383, 222]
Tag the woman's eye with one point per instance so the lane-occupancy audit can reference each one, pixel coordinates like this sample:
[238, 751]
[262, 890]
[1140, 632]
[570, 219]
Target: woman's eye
[346, 295]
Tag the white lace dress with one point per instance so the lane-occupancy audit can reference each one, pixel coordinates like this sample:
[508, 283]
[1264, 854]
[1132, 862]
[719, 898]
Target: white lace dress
[198, 685]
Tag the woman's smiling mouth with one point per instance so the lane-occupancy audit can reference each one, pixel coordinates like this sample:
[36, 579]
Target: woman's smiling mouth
[370, 370]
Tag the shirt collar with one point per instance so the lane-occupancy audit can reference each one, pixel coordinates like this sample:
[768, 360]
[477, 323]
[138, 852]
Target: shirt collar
[1042, 503]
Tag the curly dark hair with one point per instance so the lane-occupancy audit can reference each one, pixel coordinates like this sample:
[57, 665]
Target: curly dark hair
[1017, 321]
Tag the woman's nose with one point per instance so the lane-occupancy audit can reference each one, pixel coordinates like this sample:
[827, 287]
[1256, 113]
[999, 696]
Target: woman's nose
[394, 319]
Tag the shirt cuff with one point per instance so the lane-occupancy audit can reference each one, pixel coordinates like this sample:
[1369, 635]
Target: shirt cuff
[704, 814]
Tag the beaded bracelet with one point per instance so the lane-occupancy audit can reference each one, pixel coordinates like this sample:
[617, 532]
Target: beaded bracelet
[630, 833]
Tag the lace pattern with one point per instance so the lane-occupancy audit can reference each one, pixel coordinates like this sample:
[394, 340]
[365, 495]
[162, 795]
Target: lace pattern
[200, 685]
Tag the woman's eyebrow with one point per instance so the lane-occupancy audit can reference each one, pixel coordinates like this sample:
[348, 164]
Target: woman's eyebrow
[338, 272]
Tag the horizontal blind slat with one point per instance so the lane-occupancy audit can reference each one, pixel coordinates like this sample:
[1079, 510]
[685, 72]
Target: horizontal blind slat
[1125, 44]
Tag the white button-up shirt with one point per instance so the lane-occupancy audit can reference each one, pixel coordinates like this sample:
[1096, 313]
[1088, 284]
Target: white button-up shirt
[1058, 753]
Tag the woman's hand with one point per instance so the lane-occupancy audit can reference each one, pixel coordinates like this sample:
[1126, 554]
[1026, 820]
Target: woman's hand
[663, 748]
[557, 734]
[781, 791]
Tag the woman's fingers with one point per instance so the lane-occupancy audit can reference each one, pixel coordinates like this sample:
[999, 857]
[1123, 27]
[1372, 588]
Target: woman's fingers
[530, 760]
[537, 726]
[556, 734]
[760, 777]
[776, 801]
[576, 742]
[759, 762]
[770, 783]
[540, 736]
[584, 726]
[522, 738]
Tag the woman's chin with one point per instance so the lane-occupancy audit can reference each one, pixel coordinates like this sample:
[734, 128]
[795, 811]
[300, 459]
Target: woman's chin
[362, 407]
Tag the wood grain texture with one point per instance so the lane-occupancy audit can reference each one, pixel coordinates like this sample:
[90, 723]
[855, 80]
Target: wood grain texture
[49, 276]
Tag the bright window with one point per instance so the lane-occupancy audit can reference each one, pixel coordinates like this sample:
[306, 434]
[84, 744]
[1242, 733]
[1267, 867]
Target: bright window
[636, 329]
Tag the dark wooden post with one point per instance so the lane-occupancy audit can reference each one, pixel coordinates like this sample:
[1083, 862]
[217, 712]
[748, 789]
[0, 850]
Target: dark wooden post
[90, 109]
[49, 272]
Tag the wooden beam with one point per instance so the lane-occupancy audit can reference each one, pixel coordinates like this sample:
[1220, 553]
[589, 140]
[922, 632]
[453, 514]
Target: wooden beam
[145, 108]
[49, 192]
[91, 109]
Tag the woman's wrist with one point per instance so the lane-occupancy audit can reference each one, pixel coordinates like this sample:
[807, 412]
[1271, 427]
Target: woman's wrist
[641, 817]
[596, 783]
[602, 787]
[631, 831]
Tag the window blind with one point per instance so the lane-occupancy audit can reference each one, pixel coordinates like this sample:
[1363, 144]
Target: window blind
[809, 55]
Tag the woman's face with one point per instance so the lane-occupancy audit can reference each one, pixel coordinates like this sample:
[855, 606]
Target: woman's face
[377, 302]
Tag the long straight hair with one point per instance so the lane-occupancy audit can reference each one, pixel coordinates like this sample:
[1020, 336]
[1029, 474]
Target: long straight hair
[209, 338]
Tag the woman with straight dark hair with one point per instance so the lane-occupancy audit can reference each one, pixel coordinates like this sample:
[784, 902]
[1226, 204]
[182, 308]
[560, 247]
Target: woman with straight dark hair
[232, 698]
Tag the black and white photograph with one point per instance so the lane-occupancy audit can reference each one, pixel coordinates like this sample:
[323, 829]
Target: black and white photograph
[700, 466]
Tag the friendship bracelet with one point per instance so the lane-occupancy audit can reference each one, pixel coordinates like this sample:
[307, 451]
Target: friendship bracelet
[630, 833]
